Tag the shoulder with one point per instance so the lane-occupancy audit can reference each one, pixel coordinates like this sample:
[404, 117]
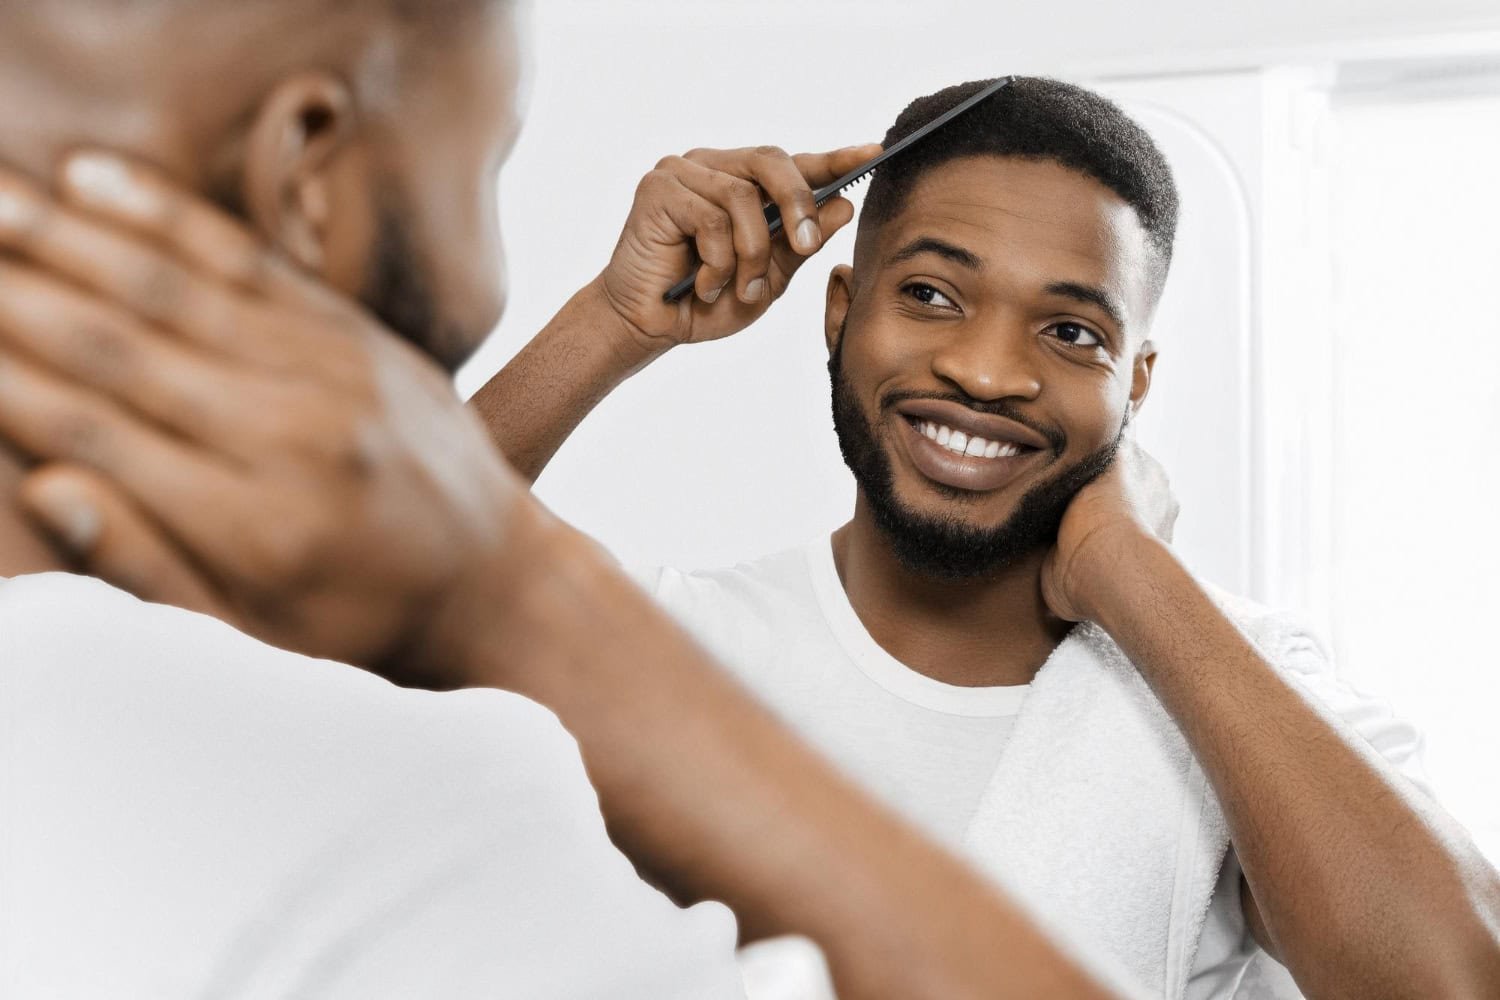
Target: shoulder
[74, 640]
[759, 584]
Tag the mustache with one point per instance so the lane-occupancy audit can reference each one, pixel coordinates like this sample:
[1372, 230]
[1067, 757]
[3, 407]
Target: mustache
[996, 408]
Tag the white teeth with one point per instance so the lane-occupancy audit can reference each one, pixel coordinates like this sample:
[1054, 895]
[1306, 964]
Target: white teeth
[961, 443]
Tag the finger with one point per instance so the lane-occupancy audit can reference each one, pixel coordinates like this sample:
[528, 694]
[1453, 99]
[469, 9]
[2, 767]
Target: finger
[825, 168]
[740, 200]
[136, 274]
[111, 538]
[53, 420]
[102, 347]
[777, 174]
[689, 217]
[832, 216]
[144, 201]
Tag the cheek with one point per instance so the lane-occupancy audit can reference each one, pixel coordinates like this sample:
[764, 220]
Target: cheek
[1091, 410]
[352, 226]
[879, 356]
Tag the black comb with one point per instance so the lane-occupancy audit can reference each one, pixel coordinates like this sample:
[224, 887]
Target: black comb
[823, 194]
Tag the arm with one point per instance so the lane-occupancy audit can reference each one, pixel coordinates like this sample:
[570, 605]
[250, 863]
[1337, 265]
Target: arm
[373, 522]
[1362, 886]
[533, 404]
[702, 206]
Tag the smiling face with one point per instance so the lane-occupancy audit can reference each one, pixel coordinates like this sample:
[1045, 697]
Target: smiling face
[986, 352]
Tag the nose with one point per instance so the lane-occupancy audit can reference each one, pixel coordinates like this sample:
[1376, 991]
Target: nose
[990, 361]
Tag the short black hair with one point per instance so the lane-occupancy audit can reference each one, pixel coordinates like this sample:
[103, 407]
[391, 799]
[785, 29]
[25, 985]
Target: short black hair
[1036, 118]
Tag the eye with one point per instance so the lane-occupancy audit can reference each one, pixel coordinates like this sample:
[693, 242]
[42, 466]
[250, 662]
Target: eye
[928, 296]
[1075, 335]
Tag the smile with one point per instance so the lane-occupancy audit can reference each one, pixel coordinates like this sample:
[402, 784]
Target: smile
[963, 444]
[961, 461]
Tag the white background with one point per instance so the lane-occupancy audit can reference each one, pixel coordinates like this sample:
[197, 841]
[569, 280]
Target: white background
[1325, 398]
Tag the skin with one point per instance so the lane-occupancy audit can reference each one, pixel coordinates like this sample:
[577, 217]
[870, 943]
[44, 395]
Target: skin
[1308, 804]
[258, 447]
[1329, 836]
[979, 322]
[1353, 879]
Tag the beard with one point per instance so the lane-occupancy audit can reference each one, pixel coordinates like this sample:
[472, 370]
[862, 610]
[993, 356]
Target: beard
[947, 547]
[397, 288]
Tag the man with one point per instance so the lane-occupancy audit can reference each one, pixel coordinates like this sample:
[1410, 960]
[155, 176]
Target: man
[1002, 289]
[189, 812]
[988, 350]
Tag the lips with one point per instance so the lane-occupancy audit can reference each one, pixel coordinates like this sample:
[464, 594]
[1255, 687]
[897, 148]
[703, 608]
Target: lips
[957, 417]
[960, 448]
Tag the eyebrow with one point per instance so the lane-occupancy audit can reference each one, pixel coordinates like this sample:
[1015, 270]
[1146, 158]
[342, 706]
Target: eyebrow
[931, 244]
[1089, 294]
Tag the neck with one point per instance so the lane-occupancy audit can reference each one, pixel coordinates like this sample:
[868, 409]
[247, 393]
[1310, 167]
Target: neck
[985, 631]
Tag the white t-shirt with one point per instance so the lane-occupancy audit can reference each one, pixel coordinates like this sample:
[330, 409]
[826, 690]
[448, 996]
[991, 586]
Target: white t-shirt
[785, 627]
[185, 812]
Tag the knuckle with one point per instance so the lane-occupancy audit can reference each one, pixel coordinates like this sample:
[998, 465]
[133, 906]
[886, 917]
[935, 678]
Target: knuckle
[159, 290]
[80, 437]
[771, 152]
[755, 248]
[651, 183]
[696, 153]
[716, 224]
[666, 163]
[105, 355]
[279, 554]
[740, 190]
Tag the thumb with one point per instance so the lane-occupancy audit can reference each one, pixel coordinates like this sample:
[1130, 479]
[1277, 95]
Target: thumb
[833, 215]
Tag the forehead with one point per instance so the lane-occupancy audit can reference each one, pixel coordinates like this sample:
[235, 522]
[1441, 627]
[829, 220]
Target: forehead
[1030, 223]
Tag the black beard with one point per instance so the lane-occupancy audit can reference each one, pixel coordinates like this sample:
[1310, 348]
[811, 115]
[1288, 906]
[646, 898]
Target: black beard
[397, 287]
[947, 548]
[399, 291]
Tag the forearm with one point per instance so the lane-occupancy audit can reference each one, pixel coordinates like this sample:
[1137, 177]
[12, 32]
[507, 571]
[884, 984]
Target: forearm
[705, 788]
[1365, 887]
[536, 401]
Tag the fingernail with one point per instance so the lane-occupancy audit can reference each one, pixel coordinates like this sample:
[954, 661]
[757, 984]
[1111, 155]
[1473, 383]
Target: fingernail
[106, 180]
[712, 295]
[756, 290]
[72, 519]
[809, 235]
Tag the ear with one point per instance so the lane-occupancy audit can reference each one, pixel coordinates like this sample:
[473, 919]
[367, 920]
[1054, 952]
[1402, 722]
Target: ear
[836, 305]
[292, 145]
[1140, 375]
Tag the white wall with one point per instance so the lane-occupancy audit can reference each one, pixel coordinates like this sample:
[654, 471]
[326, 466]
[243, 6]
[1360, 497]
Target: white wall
[726, 451]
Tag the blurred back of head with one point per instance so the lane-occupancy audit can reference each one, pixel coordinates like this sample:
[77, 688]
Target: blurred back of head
[361, 137]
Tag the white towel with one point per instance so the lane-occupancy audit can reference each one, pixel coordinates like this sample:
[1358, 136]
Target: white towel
[1099, 819]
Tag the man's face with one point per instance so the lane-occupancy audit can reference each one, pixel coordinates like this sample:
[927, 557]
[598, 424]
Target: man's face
[986, 353]
[434, 270]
